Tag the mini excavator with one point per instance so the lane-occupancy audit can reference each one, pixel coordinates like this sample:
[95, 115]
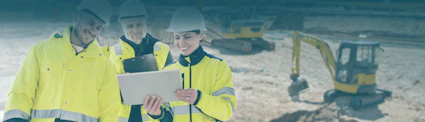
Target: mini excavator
[353, 71]
[242, 32]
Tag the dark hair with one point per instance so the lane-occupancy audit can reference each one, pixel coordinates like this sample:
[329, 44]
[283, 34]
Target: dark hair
[132, 16]
[197, 31]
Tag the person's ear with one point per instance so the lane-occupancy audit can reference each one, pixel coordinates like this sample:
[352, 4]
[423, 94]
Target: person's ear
[202, 35]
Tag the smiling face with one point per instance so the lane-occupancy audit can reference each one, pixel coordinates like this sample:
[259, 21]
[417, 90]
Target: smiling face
[134, 28]
[87, 27]
[187, 42]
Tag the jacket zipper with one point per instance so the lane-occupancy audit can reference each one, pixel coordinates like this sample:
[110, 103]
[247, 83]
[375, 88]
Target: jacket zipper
[183, 81]
[190, 86]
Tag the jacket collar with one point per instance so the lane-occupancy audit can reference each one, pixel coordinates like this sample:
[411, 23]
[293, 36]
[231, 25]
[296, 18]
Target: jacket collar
[193, 58]
[146, 45]
[148, 38]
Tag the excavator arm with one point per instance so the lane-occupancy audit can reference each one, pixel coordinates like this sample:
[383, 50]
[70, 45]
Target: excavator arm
[326, 53]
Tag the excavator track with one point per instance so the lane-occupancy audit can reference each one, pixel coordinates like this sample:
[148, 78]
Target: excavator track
[264, 44]
[358, 101]
[243, 45]
[361, 101]
[233, 44]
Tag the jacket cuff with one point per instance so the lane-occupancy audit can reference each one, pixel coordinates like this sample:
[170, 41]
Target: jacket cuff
[159, 116]
[16, 120]
[198, 98]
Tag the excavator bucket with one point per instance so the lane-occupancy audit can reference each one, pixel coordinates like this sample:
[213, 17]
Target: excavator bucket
[297, 86]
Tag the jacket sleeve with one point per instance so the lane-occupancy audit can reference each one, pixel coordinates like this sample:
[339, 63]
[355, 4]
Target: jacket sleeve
[109, 96]
[222, 103]
[165, 116]
[22, 94]
[169, 59]
[115, 59]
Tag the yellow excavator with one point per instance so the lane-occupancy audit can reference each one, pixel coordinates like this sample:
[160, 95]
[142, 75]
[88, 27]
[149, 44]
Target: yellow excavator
[242, 32]
[353, 71]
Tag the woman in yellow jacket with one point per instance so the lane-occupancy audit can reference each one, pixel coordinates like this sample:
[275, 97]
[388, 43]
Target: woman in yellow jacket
[207, 93]
[136, 42]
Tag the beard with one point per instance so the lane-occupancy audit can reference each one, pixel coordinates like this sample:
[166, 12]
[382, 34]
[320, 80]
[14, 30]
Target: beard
[137, 38]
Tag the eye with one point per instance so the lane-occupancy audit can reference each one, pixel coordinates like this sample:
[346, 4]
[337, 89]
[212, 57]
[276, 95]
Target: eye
[140, 24]
[176, 38]
[91, 23]
[187, 37]
[129, 26]
[99, 27]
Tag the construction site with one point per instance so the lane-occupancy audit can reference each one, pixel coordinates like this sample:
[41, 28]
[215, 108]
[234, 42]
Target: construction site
[292, 65]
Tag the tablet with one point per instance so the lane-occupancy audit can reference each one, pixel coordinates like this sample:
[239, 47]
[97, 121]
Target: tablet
[136, 86]
[142, 63]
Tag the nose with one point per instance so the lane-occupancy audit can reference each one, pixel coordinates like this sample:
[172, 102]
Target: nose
[135, 30]
[92, 30]
[181, 42]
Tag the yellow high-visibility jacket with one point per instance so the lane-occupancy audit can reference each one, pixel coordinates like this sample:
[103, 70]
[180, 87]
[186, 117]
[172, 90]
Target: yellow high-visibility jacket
[124, 50]
[56, 82]
[212, 77]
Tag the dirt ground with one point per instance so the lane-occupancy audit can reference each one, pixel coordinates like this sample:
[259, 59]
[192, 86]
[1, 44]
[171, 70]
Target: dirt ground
[261, 79]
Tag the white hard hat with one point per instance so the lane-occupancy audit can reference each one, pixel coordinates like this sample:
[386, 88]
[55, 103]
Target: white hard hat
[101, 8]
[187, 19]
[132, 8]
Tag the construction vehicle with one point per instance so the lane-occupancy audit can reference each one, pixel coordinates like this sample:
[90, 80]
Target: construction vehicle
[241, 33]
[353, 71]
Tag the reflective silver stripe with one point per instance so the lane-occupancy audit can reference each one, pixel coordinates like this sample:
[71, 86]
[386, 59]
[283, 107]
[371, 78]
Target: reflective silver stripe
[62, 114]
[225, 90]
[118, 49]
[122, 119]
[166, 105]
[15, 114]
[179, 110]
[157, 47]
[233, 107]
[145, 117]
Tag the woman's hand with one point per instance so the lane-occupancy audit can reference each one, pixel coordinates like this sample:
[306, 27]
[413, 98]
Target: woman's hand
[152, 105]
[187, 95]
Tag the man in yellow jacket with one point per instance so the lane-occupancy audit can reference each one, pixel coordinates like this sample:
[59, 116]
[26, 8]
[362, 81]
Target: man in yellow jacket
[66, 77]
[134, 43]
[207, 93]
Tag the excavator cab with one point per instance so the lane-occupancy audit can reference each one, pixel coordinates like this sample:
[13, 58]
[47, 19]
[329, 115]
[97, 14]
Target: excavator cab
[356, 65]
